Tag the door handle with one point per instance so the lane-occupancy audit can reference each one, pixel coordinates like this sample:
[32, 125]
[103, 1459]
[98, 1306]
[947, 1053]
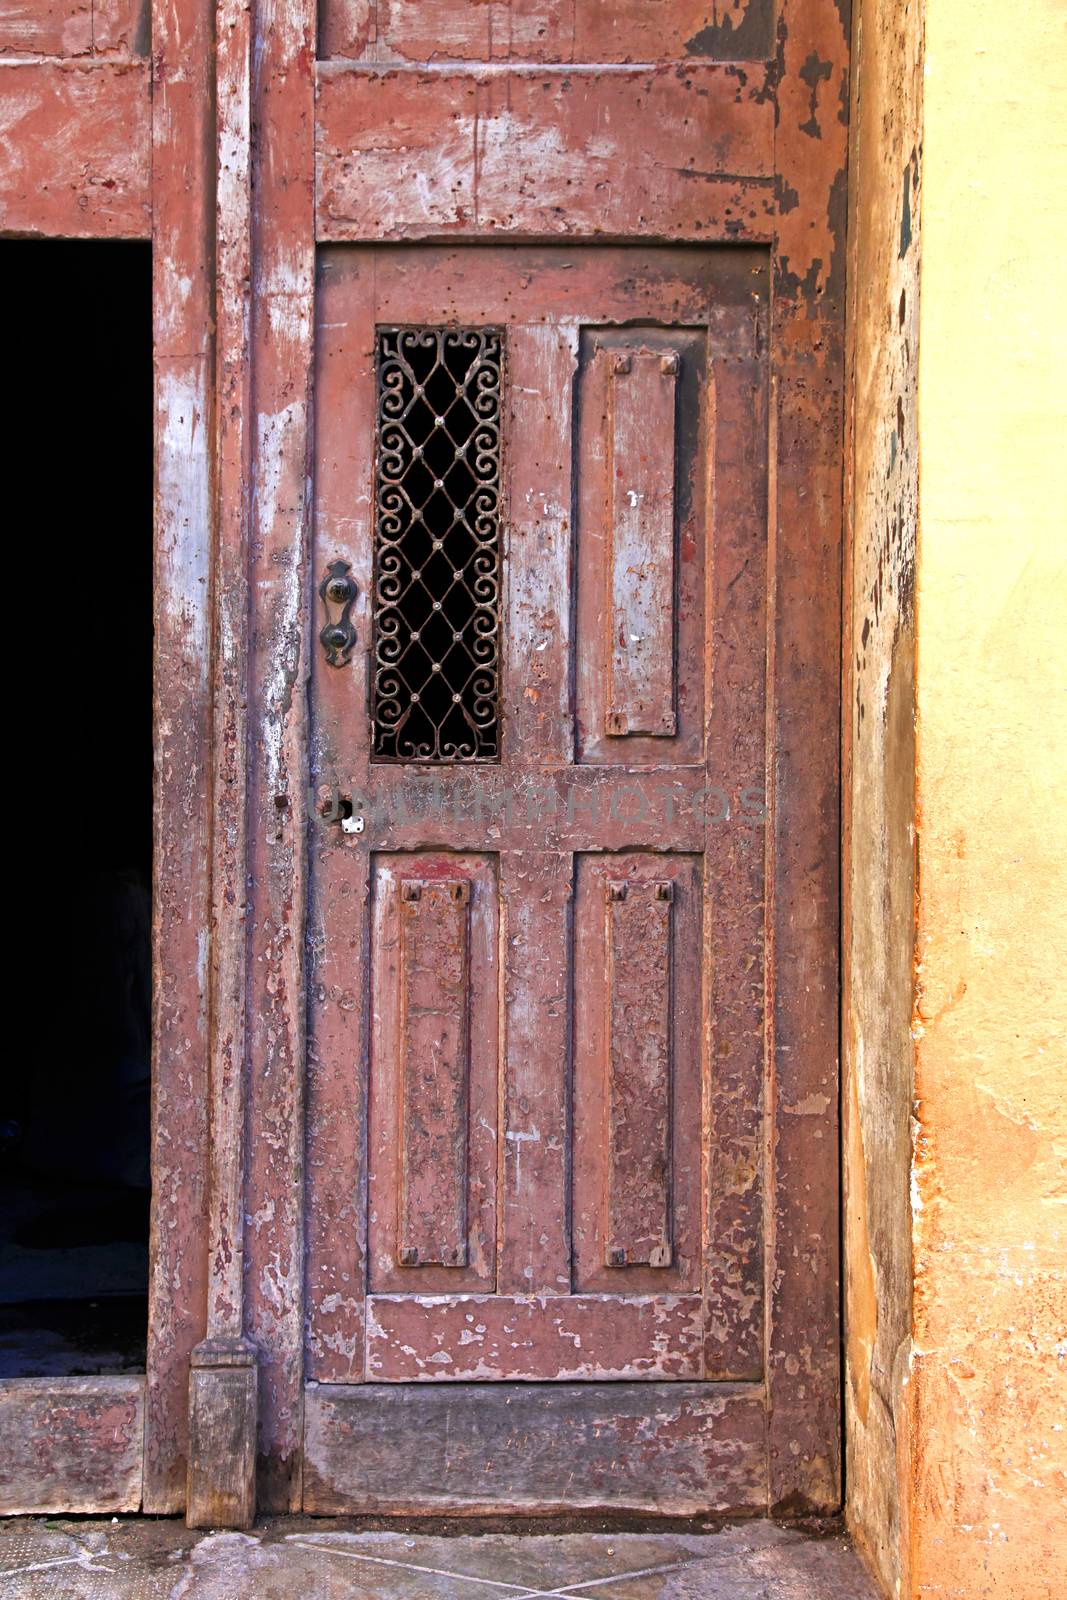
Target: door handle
[338, 592]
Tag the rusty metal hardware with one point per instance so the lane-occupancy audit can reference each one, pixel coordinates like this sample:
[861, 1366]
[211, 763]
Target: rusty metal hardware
[334, 807]
[338, 593]
[658, 1256]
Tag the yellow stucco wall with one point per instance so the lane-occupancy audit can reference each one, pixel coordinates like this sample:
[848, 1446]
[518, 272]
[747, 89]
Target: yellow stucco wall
[987, 1475]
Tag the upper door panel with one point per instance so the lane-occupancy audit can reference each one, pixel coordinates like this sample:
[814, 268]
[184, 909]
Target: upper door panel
[69, 28]
[681, 151]
[572, 31]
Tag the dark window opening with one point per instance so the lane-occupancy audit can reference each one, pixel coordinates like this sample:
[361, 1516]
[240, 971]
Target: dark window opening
[74, 1105]
[437, 544]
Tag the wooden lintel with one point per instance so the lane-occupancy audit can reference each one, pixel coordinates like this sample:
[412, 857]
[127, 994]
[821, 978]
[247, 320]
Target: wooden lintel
[76, 137]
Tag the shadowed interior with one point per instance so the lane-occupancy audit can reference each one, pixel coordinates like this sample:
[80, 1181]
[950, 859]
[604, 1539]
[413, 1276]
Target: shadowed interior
[74, 1107]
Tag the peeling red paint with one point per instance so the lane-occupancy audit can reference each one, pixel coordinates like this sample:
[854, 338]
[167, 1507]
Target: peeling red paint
[77, 143]
[283, 266]
[402, 154]
[71, 1444]
[570, 31]
[183, 348]
[570, 124]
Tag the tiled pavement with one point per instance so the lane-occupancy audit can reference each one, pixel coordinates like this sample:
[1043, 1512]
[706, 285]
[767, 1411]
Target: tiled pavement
[293, 1559]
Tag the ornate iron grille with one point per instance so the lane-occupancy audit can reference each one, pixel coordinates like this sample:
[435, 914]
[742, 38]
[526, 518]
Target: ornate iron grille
[437, 545]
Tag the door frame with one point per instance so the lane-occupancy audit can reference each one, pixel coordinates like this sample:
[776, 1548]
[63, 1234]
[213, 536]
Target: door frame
[186, 668]
[265, 276]
[233, 226]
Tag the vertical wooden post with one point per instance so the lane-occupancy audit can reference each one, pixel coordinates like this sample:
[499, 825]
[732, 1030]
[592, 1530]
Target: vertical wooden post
[811, 147]
[222, 1392]
[183, 318]
[283, 600]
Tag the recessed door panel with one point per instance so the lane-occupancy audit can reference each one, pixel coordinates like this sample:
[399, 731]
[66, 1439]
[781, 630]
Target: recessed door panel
[645, 406]
[637, 1073]
[433, 1072]
[641, 469]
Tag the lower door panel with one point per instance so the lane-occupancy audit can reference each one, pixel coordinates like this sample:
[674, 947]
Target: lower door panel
[677, 1449]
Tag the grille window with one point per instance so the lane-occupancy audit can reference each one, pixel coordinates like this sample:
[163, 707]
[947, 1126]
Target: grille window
[437, 545]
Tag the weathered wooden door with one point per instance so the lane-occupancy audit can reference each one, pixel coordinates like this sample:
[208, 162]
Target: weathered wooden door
[535, 1147]
[514, 1183]
[542, 1118]
[541, 502]
[545, 369]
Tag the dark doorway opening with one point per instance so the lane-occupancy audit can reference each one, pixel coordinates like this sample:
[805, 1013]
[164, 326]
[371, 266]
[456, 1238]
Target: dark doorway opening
[74, 1105]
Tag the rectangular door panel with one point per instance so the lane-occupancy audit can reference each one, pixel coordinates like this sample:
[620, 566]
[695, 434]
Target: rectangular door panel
[534, 1338]
[642, 386]
[543, 153]
[577, 31]
[637, 1074]
[433, 1073]
[678, 1449]
[640, 656]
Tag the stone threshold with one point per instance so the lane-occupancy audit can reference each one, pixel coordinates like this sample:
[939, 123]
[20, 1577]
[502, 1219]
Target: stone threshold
[141, 1558]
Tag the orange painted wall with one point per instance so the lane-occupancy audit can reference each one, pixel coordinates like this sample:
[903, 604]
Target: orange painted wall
[958, 1432]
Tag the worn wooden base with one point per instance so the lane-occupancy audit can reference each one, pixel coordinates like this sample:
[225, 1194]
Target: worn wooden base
[70, 1444]
[678, 1449]
[222, 1436]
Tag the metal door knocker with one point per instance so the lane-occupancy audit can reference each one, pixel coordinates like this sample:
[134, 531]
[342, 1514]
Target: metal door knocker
[338, 592]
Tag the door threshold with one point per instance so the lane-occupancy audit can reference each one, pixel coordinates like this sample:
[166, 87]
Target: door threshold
[300, 1555]
[71, 1444]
